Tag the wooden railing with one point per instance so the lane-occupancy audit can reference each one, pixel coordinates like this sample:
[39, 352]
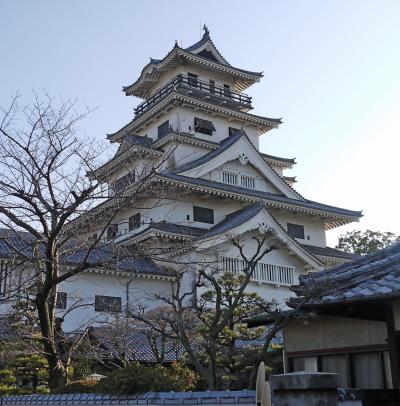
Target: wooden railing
[263, 273]
[194, 84]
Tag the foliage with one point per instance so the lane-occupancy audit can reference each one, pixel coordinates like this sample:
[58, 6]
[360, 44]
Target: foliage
[139, 378]
[365, 242]
[81, 386]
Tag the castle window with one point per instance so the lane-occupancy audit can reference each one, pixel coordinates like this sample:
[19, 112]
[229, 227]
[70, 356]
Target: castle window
[121, 183]
[61, 300]
[234, 131]
[203, 215]
[248, 182]
[296, 230]
[227, 91]
[112, 231]
[212, 86]
[229, 177]
[134, 221]
[192, 80]
[163, 129]
[203, 126]
[107, 304]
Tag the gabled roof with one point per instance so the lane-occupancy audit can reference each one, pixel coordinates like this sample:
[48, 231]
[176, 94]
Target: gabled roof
[203, 53]
[343, 216]
[372, 277]
[230, 151]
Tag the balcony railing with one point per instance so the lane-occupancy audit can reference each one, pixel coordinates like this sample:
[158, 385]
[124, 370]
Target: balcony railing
[263, 273]
[197, 87]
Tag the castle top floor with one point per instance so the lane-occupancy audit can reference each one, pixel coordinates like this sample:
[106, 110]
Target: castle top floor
[201, 63]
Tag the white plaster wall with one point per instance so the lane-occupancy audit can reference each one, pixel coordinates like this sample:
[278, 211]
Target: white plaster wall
[246, 170]
[81, 290]
[313, 226]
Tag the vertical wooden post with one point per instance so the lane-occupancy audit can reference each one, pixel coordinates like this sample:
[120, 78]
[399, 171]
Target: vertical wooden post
[393, 345]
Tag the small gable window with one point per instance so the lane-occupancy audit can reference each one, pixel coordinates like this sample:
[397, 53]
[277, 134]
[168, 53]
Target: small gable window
[134, 221]
[192, 80]
[203, 126]
[163, 129]
[296, 230]
[234, 131]
[203, 215]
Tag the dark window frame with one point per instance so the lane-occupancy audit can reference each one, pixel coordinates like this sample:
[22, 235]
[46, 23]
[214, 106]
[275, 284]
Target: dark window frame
[212, 86]
[134, 221]
[163, 129]
[61, 300]
[193, 79]
[108, 304]
[203, 126]
[203, 215]
[121, 183]
[112, 231]
[296, 231]
[227, 91]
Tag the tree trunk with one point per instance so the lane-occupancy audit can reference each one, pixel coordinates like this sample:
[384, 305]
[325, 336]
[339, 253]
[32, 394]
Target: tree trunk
[57, 373]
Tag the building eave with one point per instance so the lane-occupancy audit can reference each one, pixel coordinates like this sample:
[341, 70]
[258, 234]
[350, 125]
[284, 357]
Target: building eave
[263, 124]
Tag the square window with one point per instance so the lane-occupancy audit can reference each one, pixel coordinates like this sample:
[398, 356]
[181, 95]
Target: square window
[296, 230]
[203, 215]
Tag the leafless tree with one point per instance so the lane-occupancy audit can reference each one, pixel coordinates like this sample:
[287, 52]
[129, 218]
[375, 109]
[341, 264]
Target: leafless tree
[203, 317]
[44, 192]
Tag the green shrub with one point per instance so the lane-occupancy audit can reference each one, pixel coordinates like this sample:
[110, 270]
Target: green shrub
[139, 378]
[82, 386]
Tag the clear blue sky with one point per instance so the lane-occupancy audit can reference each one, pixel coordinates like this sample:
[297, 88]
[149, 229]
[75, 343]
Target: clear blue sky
[332, 72]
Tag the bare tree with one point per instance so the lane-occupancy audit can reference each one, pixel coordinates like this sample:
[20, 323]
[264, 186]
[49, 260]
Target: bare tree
[203, 318]
[44, 191]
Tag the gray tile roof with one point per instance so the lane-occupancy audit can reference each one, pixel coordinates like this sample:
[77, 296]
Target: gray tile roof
[277, 158]
[243, 397]
[261, 195]
[329, 252]
[107, 256]
[234, 220]
[139, 140]
[374, 276]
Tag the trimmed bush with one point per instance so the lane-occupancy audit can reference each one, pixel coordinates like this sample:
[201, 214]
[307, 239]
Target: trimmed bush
[139, 378]
[82, 386]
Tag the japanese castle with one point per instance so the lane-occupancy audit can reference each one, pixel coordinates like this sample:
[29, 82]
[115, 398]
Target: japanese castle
[195, 126]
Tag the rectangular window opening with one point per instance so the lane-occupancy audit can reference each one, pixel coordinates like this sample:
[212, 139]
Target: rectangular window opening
[203, 215]
[192, 80]
[296, 230]
[227, 91]
[212, 86]
[163, 129]
[230, 178]
[248, 182]
[112, 231]
[134, 221]
[203, 126]
[107, 304]
[61, 300]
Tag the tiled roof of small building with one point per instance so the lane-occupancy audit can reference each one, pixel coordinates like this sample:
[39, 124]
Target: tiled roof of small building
[329, 252]
[243, 397]
[374, 276]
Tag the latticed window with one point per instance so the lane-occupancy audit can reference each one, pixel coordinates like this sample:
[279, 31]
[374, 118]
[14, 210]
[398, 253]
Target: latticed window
[163, 129]
[61, 300]
[121, 183]
[107, 304]
[296, 230]
[203, 215]
[248, 182]
[134, 221]
[230, 178]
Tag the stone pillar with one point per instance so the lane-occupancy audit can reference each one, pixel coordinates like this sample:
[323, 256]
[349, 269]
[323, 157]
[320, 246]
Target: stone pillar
[304, 389]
